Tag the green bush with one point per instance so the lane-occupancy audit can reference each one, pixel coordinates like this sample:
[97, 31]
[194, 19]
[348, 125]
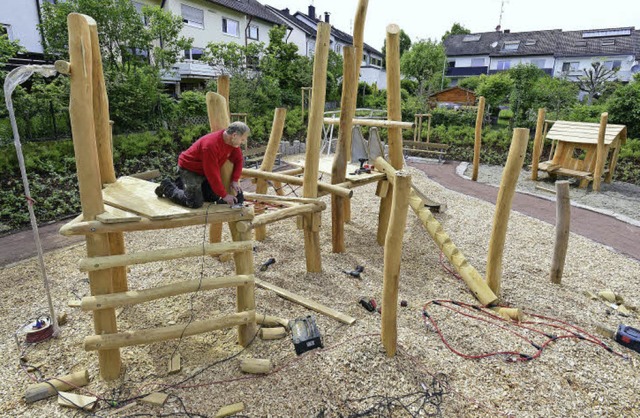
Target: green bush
[442, 116]
[505, 114]
[586, 113]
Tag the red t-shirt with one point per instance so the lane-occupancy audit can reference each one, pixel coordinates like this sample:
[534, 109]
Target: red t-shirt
[207, 155]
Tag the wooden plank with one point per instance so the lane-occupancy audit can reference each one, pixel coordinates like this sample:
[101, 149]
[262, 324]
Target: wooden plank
[73, 400]
[113, 215]
[155, 399]
[306, 302]
[138, 196]
[228, 410]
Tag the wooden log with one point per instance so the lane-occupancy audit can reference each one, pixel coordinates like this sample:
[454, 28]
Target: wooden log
[89, 177]
[118, 274]
[394, 112]
[331, 188]
[478, 139]
[507, 190]
[279, 215]
[370, 122]
[229, 410]
[134, 297]
[563, 228]
[52, 386]
[147, 336]
[245, 295]
[292, 171]
[284, 199]
[273, 333]
[339, 166]
[358, 44]
[269, 159]
[223, 83]
[306, 302]
[509, 313]
[392, 257]
[255, 365]
[537, 143]
[600, 153]
[106, 262]
[271, 321]
[62, 67]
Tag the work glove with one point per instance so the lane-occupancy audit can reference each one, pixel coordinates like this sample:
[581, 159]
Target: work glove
[230, 199]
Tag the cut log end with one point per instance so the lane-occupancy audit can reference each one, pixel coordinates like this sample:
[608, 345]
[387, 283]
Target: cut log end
[393, 29]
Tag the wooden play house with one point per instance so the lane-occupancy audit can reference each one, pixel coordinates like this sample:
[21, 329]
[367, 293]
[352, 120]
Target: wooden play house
[587, 151]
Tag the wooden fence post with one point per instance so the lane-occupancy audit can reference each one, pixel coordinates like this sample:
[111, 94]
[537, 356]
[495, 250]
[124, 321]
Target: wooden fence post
[563, 227]
[600, 153]
[478, 139]
[537, 144]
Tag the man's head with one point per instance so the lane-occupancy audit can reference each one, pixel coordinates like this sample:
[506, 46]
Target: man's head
[237, 134]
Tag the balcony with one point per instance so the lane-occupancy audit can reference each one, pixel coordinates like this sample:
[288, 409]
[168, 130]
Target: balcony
[465, 71]
[195, 69]
[548, 71]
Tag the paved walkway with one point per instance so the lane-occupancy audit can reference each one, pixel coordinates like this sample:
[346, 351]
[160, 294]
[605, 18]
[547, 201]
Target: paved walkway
[622, 237]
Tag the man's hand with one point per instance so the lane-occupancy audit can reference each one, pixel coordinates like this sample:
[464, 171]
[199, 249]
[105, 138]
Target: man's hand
[236, 186]
[230, 199]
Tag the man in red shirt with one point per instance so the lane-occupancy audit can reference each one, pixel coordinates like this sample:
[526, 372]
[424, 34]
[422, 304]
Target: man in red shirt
[199, 168]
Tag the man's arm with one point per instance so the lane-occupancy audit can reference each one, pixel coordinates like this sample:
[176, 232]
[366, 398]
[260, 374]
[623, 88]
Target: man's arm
[238, 161]
[212, 173]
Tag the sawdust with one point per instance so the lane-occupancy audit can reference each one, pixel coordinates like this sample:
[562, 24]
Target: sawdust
[571, 378]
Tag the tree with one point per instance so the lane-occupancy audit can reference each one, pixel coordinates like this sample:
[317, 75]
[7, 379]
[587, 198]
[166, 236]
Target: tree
[8, 50]
[473, 82]
[595, 80]
[232, 58]
[555, 94]
[522, 98]
[424, 63]
[456, 29]
[405, 45]
[495, 89]
[624, 107]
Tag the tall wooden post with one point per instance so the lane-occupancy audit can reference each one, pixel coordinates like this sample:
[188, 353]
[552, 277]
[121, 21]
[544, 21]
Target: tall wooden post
[392, 257]
[600, 153]
[89, 178]
[339, 167]
[224, 87]
[269, 159]
[394, 112]
[510, 175]
[478, 140]
[537, 143]
[311, 222]
[245, 295]
[563, 227]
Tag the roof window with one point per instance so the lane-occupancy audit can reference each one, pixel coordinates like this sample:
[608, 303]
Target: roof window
[511, 45]
[471, 38]
[606, 33]
[530, 42]
[580, 43]
[608, 42]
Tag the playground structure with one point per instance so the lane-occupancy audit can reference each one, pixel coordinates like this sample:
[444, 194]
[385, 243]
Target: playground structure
[112, 206]
[586, 151]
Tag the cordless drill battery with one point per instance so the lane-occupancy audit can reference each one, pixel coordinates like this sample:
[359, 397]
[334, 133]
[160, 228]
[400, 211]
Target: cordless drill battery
[629, 337]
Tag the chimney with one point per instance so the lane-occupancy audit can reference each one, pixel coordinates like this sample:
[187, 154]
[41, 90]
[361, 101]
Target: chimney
[498, 28]
[326, 16]
[285, 11]
[507, 31]
[312, 12]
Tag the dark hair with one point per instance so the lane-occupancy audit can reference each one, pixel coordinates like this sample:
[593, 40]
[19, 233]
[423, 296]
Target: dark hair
[237, 127]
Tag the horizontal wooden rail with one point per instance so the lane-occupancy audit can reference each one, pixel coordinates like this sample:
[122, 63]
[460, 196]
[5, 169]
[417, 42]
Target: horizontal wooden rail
[109, 261]
[278, 199]
[147, 336]
[380, 123]
[267, 175]
[278, 215]
[291, 171]
[133, 297]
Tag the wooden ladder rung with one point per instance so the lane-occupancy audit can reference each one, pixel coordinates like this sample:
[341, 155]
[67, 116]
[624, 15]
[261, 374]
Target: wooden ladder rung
[105, 262]
[133, 297]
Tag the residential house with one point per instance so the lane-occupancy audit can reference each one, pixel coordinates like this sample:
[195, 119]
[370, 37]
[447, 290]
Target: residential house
[558, 53]
[303, 33]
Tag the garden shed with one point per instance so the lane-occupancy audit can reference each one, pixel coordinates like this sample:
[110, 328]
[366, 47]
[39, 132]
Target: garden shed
[453, 96]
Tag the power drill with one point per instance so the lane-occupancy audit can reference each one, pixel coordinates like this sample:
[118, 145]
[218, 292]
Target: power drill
[362, 168]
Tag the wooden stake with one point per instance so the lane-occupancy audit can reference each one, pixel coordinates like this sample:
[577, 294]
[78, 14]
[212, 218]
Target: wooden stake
[339, 166]
[392, 257]
[478, 139]
[394, 112]
[269, 159]
[52, 386]
[563, 227]
[600, 153]
[537, 143]
[245, 295]
[255, 365]
[510, 175]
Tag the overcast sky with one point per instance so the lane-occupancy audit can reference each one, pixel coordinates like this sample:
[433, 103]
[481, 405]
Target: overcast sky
[422, 19]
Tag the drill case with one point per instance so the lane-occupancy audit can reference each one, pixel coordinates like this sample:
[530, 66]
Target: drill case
[305, 334]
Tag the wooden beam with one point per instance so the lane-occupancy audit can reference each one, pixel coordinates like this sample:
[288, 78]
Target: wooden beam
[279, 215]
[255, 365]
[134, 297]
[538, 142]
[325, 187]
[52, 386]
[600, 153]
[306, 302]
[478, 139]
[106, 262]
[371, 122]
[146, 336]
[245, 295]
[358, 44]
[507, 190]
[284, 199]
[563, 228]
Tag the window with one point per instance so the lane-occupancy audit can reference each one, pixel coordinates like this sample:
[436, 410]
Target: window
[253, 32]
[538, 62]
[376, 62]
[451, 64]
[230, 26]
[138, 7]
[570, 67]
[503, 65]
[338, 48]
[471, 38]
[311, 48]
[6, 30]
[613, 65]
[477, 62]
[511, 45]
[192, 16]
[608, 42]
[194, 54]
[530, 42]
[605, 33]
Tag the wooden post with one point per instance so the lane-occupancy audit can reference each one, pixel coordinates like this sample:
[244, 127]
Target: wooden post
[600, 153]
[563, 226]
[428, 127]
[218, 119]
[537, 143]
[478, 139]
[89, 178]
[269, 159]
[392, 257]
[339, 167]
[224, 87]
[394, 112]
[314, 134]
[510, 175]
[245, 294]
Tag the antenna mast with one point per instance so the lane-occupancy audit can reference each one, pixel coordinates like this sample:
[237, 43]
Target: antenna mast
[501, 13]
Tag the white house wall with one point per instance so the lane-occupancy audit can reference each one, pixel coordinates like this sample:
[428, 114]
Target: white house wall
[21, 17]
[374, 75]
[548, 61]
[624, 74]
[463, 62]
